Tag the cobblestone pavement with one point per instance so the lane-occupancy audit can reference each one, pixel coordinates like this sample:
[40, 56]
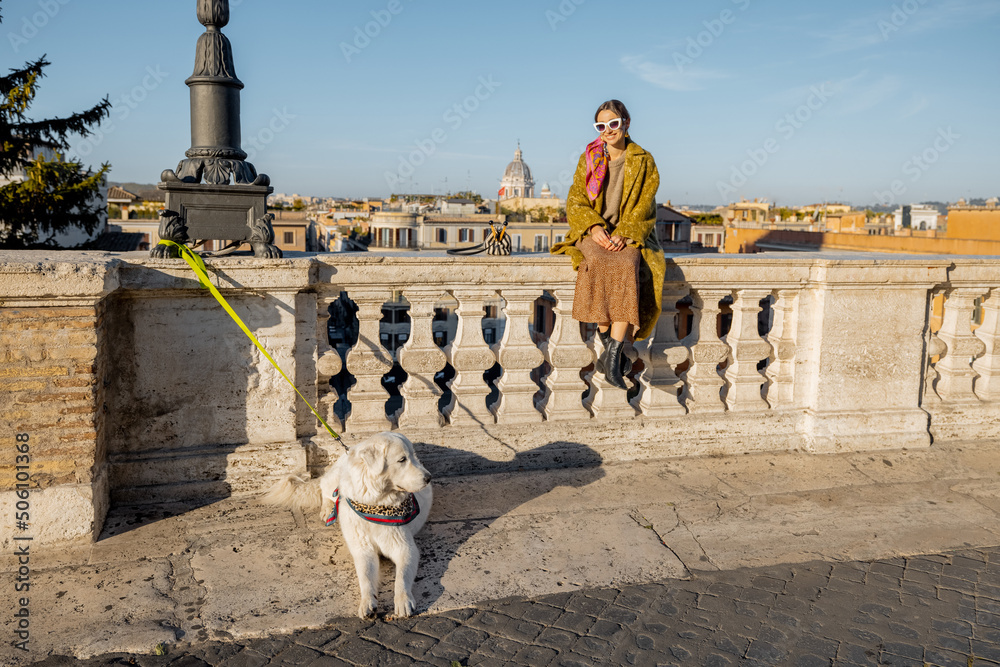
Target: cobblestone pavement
[941, 610]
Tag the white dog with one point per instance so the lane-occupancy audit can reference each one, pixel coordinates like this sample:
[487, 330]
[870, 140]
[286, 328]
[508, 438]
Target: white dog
[381, 496]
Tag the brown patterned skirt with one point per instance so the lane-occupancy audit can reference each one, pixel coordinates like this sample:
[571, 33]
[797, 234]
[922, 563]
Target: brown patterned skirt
[607, 284]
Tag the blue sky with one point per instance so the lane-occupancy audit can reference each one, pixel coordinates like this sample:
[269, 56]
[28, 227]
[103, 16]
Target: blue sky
[793, 101]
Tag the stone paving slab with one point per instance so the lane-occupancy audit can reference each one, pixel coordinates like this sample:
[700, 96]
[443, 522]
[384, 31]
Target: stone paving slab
[941, 610]
[238, 571]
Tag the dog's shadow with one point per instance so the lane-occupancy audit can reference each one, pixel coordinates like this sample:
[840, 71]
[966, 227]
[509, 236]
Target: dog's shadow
[471, 492]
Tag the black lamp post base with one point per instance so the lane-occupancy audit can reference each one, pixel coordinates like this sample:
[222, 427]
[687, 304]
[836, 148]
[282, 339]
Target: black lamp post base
[201, 212]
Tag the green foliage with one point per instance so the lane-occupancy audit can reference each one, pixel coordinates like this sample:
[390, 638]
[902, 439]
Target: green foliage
[707, 219]
[513, 215]
[785, 213]
[297, 205]
[55, 194]
[469, 194]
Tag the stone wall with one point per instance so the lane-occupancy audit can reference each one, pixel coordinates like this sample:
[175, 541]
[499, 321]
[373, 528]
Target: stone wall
[53, 324]
[134, 386]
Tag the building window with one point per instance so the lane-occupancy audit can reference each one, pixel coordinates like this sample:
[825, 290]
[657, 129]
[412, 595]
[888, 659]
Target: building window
[560, 238]
[289, 238]
[700, 238]
[442, 235]
[541, 243]
[515, 242]
[466, 235]
[489, 336]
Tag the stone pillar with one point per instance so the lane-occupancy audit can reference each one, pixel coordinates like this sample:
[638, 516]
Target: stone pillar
[470, 356]
[568, 355]
[860, 353]
[955, 366]
[368, 361]
[660, 355]
[706, 353]
[988, 365]
[421, 358]
[53, 374]
[781, 369]
[747, 349]
[518, 356]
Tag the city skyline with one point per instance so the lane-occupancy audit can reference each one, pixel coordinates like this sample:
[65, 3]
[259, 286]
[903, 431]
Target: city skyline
[861, 103]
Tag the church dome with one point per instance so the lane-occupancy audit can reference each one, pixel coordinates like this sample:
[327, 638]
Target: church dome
[517, 181]
[517, 169]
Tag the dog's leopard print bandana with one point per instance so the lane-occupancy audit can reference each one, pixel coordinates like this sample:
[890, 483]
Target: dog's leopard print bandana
[394, 515]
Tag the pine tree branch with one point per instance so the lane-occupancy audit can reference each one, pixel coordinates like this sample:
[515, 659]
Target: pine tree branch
[20, 77]
[55, 130]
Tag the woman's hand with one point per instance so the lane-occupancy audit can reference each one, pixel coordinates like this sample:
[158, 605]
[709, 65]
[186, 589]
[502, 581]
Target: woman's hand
[601, 237]
[610, 243]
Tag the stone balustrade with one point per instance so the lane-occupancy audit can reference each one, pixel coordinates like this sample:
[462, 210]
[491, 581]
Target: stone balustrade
[135, 386]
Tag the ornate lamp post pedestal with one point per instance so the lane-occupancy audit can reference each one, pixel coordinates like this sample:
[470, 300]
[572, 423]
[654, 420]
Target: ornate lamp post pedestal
[231, 203]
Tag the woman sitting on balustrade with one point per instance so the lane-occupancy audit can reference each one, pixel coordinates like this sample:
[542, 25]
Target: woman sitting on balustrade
[611, 209]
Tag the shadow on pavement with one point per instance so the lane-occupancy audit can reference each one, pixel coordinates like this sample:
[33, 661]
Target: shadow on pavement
[464, 506]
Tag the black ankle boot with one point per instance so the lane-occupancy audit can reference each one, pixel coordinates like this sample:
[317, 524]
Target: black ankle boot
[605, 337]
[613, 364]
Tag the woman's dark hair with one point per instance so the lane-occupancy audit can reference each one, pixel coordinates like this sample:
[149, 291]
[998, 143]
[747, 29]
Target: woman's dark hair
[616, 107]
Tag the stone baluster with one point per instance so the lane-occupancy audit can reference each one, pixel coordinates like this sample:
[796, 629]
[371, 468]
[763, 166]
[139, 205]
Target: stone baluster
[328, 365]
[471, 357]
[368, 361]
[421, 358]
[707, 351]
[935, 348]
[747, 349]
[782, 338]
[955, 367]
[518, 356]
[567, 354]
[607, 402]
[660, 355]
[988, 365]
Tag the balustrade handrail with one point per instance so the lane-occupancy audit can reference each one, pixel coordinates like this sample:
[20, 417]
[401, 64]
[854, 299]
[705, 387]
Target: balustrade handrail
[826, 346]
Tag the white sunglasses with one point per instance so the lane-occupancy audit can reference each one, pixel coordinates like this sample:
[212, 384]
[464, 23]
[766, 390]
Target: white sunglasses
[613, 124]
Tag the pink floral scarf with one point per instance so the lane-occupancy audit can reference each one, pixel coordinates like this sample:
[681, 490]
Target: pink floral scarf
[597, 168]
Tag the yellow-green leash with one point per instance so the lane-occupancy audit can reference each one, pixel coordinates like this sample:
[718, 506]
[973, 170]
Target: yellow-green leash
[198, 266]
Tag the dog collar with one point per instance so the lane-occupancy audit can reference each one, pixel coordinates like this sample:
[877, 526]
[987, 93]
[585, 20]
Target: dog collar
[393, 515]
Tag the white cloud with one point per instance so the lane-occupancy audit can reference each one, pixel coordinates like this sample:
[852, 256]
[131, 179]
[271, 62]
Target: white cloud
[893, 21]
[670, 77]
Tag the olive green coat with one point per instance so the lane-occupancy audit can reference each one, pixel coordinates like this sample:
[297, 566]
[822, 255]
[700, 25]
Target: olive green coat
[636, 222]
